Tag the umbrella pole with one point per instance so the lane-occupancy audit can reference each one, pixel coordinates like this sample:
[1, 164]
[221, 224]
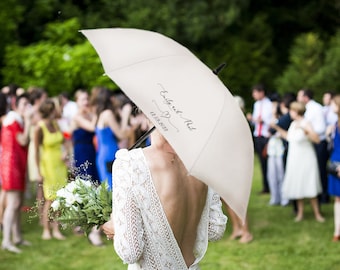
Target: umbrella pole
[142, 138]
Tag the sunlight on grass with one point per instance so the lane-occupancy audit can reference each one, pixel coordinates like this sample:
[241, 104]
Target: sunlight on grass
[279, 243]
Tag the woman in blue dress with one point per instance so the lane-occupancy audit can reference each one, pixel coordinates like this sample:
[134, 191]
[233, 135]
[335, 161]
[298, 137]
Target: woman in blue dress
[83, 126]
[84, 152]
[108, 133]
[334, 180]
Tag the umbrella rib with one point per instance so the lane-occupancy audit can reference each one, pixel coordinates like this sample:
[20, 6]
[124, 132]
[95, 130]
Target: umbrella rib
[143, 61]
[208, 139]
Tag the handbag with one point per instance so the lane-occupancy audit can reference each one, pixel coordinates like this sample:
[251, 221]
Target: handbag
[332, 168]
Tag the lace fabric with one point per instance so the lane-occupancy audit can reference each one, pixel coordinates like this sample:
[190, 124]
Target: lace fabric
[143, 237]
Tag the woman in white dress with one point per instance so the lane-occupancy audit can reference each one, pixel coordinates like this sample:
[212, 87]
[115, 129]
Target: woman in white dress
[302, 178]
[162, 217]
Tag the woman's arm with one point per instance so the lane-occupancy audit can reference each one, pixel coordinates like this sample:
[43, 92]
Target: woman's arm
[110, 120]
[38, 138]
[128, 227]
[79, 121]
[311, 134]
[23, 138]
[283, 133]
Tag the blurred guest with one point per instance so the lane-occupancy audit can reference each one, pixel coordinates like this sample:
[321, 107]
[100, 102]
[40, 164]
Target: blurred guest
[334, 180]
[11, 92]
[36, 96]
[125, 107]
[275, 152]
[314, 114]
[261, 117]
[68, 111]
[240, 230]
[83, 126]
[330, 116]
[14, 142]
[108, 133]
[84, 153]
[50, 157]
[302, 178]
[3, 111]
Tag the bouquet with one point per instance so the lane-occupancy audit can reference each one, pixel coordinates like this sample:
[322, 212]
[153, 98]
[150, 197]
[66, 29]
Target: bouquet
[81, 203]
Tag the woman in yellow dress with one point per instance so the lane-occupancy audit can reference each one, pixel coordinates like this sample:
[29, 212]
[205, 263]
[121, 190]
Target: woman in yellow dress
[51, 157]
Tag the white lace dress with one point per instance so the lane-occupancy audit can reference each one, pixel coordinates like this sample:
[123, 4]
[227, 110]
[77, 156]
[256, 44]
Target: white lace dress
[143, 237]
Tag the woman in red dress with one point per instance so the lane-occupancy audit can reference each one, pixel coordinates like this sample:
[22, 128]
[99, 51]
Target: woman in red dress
[14, 141]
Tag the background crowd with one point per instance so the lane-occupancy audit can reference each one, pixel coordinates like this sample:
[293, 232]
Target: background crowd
[294, 138]
[47, 140]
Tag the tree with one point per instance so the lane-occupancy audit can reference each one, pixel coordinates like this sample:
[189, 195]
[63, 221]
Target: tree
[305, 60]
[58, 63]
[327, 77]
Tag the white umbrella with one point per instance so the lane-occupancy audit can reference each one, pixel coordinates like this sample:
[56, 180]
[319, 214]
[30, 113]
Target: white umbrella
[187, 103]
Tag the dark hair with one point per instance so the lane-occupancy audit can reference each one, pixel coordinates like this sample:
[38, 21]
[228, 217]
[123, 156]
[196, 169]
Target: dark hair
[65, 95]
[274, 97]
[103, 102]
[24, 95]
[308, 93]
[331, 92]
[35, 94]
[12, 89]
[259, 87]
[288, 98]
[46, 108]
[3, 104]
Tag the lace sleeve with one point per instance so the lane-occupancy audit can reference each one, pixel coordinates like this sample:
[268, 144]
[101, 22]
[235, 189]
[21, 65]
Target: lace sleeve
[217, 220]
[128, 239]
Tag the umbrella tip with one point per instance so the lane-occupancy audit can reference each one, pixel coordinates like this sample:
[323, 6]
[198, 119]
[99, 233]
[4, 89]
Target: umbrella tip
[217, 70]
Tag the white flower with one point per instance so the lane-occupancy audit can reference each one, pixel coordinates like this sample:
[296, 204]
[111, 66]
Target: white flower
[55, 205]
[70, 199]
[87, 183]
[78, 198]
[62, 193]
[71, 187]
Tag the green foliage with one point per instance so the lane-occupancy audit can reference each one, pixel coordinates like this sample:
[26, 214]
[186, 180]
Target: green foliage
[56, 64]
[11, 14]
[81, 203]
[327, 77]
[279, 243]
[60, 33]
[255, 38]
[306, 58]
[248, 61]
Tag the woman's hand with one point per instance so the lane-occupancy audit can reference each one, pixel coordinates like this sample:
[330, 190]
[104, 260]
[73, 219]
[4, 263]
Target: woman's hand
[108, 229]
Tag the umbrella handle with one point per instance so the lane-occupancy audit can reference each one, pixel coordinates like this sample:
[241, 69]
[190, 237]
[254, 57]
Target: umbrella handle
[142, 138]
[217, 70]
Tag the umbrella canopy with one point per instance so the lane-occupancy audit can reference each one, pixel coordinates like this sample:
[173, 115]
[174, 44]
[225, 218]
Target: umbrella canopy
[187, 103]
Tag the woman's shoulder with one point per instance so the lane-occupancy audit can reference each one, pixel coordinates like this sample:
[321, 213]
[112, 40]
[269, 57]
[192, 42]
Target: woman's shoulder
[129, 165]
[12, 117]
[106, 113]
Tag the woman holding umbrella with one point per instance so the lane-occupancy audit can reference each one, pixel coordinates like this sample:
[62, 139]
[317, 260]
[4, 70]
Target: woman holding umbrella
[162, 217]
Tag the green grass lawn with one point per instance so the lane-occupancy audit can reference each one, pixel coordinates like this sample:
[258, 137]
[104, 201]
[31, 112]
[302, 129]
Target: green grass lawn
[279, 243]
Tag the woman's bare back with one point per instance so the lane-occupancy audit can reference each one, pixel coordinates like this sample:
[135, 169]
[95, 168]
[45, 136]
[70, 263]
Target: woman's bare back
[182, 196]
